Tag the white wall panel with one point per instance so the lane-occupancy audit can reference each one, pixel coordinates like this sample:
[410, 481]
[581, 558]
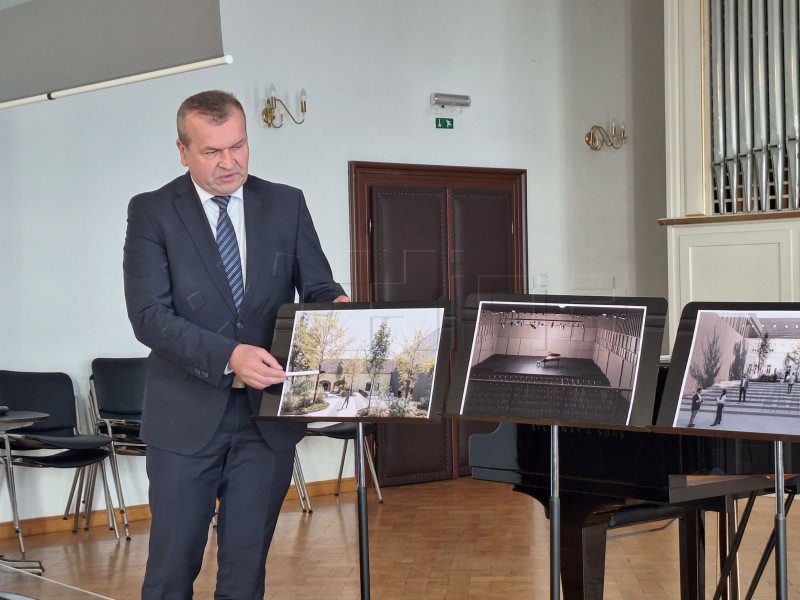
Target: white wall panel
[749, 261]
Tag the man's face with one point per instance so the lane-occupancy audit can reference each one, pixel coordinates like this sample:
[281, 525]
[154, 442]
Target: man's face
[217, 153]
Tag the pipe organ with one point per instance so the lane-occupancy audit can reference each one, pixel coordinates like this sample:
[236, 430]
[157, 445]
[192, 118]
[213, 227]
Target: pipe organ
[755, 94]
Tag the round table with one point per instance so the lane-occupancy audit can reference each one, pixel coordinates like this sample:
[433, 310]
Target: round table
[14, 419]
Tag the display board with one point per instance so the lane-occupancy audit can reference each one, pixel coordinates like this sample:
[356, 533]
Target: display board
[733, 371]
[361, 361]
[584, 361]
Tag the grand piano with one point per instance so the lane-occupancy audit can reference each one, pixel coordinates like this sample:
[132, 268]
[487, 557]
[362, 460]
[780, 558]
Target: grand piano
[619, 476]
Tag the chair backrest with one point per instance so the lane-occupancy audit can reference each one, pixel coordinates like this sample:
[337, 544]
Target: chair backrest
[50, 393]
[118, 385]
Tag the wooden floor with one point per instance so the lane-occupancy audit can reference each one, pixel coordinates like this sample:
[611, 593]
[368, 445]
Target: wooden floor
[456, 540]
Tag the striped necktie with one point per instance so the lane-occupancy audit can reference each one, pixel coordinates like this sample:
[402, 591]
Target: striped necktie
[229, 250]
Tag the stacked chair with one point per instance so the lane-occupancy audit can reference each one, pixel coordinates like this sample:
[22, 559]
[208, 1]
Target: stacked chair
[53, 394]
[116, 393]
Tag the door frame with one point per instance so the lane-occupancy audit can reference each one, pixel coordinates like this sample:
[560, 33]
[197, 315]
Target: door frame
[364, 175]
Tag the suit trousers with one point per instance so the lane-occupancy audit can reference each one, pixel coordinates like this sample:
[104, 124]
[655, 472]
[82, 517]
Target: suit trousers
[249, 479]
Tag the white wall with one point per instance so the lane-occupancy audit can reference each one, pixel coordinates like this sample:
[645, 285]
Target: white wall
[540, 72]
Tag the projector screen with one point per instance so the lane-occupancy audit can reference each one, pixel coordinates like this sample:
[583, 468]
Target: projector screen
[52, 45]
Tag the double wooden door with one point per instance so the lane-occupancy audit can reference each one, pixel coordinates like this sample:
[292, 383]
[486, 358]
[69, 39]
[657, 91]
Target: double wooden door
[421, 232]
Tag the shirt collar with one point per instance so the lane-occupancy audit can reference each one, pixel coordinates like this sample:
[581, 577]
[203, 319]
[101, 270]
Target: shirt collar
[205, 196]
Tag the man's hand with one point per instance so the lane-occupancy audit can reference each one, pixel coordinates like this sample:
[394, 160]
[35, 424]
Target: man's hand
[256, 367]
[341, 298]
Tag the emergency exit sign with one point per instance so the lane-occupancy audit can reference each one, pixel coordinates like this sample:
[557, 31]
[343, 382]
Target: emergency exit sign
[442, 123]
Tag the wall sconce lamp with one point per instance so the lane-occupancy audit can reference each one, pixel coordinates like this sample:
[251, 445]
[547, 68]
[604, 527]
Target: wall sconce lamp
[270, 113]
[439, 99]
[599, 137]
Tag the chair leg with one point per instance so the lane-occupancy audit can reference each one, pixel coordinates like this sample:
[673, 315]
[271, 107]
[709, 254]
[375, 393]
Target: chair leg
[341, 468]
[79, 497]
[112, 517]
[110, 509]
[71, 494]
[368, 452]
[12, 493]
[85, 496]
[88, 498]
[300, 485]
[123, 510]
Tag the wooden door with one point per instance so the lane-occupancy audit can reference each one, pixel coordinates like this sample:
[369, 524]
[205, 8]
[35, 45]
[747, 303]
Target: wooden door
[421, 232]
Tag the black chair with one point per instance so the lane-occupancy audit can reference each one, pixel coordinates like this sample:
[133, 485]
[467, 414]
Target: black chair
[349, 431]
[116, 393]
[50, 393]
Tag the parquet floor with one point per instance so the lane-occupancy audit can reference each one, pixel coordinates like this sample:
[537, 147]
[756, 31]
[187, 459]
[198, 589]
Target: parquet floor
[453, 540]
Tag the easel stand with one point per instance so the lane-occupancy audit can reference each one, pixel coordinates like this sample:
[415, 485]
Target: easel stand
[781, 581]
[363, 518]
[555, 518]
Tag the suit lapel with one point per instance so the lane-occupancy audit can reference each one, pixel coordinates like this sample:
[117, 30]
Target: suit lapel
[256, 222]
[190, 210]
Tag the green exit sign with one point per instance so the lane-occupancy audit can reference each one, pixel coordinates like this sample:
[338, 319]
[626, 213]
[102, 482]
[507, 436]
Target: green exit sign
[442, 123]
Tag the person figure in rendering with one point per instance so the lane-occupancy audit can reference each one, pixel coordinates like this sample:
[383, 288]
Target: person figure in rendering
[723, 396]
[208, 260]
[790, 382]
[697, 402]
[743, 383]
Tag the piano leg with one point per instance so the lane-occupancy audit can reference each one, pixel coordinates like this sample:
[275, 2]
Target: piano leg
[583, 545]
[692, 535]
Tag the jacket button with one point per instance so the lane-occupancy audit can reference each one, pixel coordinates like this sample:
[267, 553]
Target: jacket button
[239, 325]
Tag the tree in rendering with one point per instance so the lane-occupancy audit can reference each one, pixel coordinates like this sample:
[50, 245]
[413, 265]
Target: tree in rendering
[377, 354]
[763, 351]
[415, 357]
[323, 336]
[705, 371]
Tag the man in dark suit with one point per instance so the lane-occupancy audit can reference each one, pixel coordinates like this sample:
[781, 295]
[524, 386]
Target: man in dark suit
[207, 312]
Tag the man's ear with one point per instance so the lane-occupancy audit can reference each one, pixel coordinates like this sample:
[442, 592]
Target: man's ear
[182, 151]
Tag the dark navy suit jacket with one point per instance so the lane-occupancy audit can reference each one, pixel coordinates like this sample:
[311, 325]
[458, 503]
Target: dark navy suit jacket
[180, 304]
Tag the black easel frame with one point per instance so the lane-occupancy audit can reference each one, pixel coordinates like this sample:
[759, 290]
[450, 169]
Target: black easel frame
[555, 517]
[363, 516]
[781, 581]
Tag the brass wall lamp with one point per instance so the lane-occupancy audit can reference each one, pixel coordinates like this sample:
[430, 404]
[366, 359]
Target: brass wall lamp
[273, 118]
[598, 137]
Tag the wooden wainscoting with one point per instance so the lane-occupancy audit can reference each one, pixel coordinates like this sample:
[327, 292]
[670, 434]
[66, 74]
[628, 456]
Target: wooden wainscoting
[141, 512]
